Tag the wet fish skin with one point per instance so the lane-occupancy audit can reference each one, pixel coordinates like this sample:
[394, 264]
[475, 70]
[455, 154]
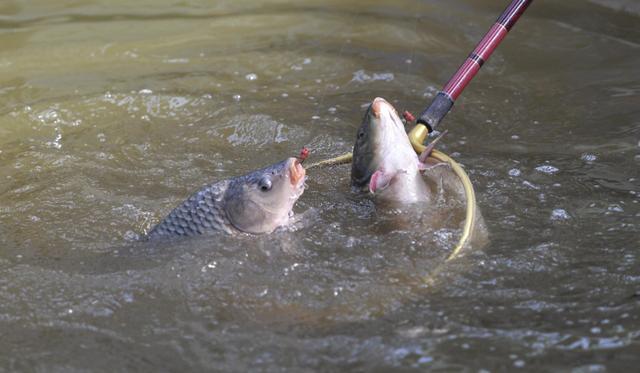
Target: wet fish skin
[384, 161]
[258, 202]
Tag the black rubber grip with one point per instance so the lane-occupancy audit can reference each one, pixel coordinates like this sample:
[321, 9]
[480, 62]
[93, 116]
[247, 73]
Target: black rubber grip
[440, 106]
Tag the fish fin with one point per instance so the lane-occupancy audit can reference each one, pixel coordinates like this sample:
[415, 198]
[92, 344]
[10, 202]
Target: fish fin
[427, 151]
[429, 163]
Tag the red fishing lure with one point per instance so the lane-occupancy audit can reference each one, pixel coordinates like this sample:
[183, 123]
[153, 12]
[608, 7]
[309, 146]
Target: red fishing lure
[304, 153]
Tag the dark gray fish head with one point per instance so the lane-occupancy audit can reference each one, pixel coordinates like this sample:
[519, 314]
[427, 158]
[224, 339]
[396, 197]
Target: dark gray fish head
[263, 200]
[363, 164]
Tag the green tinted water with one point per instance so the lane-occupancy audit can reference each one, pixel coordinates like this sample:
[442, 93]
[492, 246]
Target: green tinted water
[112, 112]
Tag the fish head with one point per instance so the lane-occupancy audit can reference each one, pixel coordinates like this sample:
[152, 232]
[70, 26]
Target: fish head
[263, 200]
[382, 149]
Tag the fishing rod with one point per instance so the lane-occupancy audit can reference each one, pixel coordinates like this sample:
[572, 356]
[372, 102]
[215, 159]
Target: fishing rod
[444, 100]
[441, 105]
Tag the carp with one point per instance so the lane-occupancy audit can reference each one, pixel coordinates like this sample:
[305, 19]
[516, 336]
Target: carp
[256, 203]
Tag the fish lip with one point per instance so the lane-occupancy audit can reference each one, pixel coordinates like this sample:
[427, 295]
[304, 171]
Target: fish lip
[297, 173]
[373, 183]
[376, 106]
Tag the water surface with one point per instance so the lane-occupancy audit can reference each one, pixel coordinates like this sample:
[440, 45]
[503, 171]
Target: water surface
[112, 112]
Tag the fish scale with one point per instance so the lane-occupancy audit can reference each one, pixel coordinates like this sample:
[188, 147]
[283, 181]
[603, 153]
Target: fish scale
[202, 213]
[256, 203]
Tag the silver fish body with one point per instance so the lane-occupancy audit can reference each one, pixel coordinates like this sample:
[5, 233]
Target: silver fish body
[384, 161]
[256, 203]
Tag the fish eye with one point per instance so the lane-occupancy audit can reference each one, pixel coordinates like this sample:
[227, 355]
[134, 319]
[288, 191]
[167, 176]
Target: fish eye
[360, 134]
[265, 184]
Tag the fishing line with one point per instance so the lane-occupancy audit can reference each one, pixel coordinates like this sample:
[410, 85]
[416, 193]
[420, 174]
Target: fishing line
[417, 139]
[418, 145]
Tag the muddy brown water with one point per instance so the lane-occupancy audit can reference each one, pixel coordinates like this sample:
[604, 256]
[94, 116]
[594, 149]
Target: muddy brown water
[112, 112]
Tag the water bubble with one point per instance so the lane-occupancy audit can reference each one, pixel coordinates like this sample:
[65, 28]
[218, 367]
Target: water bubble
[34, 218]
[56, 142]
[251, 77]
[103, 156]
[131, 54]
[237, 98]
[127, 297]
[285, 95]
[401, 353]
[361, 76]
[408, 61]
[177, 102]
[588, 157]
[306, 61]
[176, 60]
[332, 110]
[518, 363]
[547, 169]
[131, 236]
[425, 360]
[560, 214]
[145, 91]
[48, 115]
[615, 208]
[315, 117]
[515, 137]
[590, 368]
[296, 67]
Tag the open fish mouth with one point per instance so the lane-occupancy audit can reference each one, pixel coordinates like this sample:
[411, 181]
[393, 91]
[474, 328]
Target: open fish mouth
[297, 173]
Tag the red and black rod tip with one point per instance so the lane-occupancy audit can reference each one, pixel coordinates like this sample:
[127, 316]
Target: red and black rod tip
[444, 100]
